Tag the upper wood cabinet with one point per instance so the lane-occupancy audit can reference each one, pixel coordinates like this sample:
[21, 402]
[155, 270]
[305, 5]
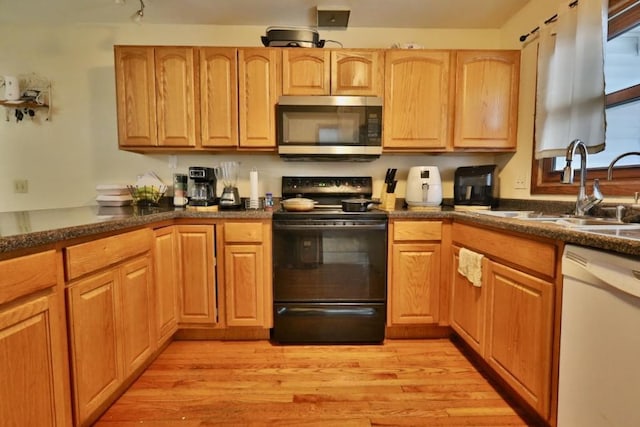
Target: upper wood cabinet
[219, 97]
[181, 98]
[306, 72]
[417, 104]
[259, 89]
[136, 96]
[175, 102]
[332, 72]
[486, 100]
[155, 89]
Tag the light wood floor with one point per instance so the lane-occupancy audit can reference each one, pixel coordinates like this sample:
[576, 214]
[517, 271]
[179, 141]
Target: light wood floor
[403, 382]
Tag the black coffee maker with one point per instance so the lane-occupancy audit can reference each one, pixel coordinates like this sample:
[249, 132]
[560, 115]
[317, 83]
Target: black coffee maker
[202, 188]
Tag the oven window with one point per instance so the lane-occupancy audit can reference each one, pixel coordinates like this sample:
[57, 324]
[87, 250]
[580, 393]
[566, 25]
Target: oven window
[332, 264]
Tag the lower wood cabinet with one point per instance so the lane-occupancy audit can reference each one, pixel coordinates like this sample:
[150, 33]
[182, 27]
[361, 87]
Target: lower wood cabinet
[509, 320]
[247, 273]
[468, 304]
[197, 279]
[109, 310]
[96, 359]
[34, 385]
[110, 329]
[413, 272]
[166, 264]
[519, 335]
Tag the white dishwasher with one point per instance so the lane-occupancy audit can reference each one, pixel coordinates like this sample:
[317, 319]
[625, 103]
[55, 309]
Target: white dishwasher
[599, 382]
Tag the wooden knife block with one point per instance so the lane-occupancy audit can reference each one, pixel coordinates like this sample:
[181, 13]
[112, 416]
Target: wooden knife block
[387, 201]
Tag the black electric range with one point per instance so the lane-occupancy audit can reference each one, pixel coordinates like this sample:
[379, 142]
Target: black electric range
[329, 265]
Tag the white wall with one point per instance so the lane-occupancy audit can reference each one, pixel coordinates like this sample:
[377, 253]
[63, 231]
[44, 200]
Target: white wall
[65, 159]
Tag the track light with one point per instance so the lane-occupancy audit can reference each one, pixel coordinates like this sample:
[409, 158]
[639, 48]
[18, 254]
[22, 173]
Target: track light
[137, 17]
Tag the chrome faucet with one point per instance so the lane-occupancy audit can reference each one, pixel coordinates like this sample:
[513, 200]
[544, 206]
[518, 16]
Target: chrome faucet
[614, 161]
[584, 202]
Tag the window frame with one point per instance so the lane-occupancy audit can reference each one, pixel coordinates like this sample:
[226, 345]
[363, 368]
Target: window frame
[624, 15]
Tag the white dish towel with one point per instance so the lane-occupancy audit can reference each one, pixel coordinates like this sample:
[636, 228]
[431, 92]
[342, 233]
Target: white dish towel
[470, 266]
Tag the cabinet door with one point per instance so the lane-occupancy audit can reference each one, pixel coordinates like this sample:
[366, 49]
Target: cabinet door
[197, 296]
[93, 331]
[415, 279]
[175, 95]
[244, 285]
[33, 365]
[166, 283]
[305, 72]
[219, 97]
[136, 96]
[486, 113]
[520, 332]
[357, 73]
[416, 99]
[136, 307]
[259, 89]
[467, 307]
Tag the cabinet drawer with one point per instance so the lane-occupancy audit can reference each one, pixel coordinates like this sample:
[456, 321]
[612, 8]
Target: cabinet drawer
[243, 232]
[24, 275]
[86, 257]
[533, 255]
[417, 230]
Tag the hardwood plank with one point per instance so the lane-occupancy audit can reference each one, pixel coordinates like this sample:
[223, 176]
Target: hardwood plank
[402, 382]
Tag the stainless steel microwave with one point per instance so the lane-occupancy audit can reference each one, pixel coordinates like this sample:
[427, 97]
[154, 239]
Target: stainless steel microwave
[329, 127]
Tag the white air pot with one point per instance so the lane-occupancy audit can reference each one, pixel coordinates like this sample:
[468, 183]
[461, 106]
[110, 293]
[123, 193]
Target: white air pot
[424, 187]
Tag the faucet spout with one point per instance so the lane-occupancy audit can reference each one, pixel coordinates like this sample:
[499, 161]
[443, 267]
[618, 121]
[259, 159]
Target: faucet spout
[614, 161]
[583, 202]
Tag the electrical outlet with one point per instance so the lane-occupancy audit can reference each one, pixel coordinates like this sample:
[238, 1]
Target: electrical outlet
[173, 162]
[20, 186]
[521, 182]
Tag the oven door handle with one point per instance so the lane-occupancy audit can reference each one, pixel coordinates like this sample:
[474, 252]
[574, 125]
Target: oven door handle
[311, 227]
[321, 311]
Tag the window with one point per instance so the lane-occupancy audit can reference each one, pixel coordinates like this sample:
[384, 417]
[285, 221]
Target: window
[622, 63]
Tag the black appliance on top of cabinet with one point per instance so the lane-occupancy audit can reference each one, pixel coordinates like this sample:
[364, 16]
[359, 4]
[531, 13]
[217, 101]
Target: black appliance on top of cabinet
[330, 266]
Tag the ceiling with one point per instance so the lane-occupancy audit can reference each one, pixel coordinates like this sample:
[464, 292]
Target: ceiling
[364, 13]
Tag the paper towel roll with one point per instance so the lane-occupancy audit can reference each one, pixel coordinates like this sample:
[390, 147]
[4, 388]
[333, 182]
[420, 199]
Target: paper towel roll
[253, 194]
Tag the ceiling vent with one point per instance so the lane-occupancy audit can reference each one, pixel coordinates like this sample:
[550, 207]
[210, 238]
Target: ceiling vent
[333, 18]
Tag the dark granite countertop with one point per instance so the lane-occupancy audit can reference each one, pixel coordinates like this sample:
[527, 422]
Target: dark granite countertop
[26, 229]
[22, 230]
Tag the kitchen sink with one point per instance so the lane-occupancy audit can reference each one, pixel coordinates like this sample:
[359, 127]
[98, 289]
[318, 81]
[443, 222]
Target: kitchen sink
[565, 220]
[524, 215]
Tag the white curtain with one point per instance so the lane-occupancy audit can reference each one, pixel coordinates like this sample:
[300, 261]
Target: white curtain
[570, 92]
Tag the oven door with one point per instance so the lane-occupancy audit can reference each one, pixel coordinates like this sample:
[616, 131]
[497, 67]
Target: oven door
[329, 281]
[330, 261]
